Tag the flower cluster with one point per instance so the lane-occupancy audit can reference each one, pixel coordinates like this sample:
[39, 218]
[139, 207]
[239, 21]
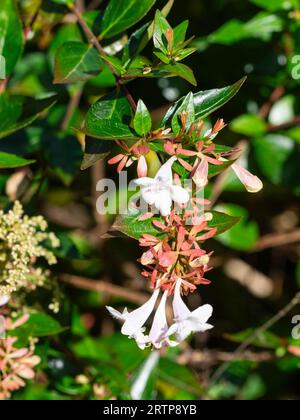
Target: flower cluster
[175, 261]
[185, 321]
[16, 364]
[21, 244]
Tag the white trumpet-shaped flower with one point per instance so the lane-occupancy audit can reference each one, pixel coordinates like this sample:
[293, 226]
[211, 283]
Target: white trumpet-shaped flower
[134, 321]
[4, 299]
[186, 321]
[158, 335]
[161, 191]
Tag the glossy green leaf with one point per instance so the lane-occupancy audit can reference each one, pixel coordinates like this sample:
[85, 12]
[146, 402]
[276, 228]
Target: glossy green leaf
[11, 35]
[249, 125]
[95, 150]
[19, 112]
[222, 221]
[161, 25]
[181, 70]
[8, 160]
[132, 227]
[180, 33]
[76, 62]
[122, 14]
[134, 45]
[109, 118]
[188, 107]
[206, 102]
[142, 120]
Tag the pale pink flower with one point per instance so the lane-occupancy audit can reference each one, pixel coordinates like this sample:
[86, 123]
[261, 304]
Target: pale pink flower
[251, 182]
[200, 176]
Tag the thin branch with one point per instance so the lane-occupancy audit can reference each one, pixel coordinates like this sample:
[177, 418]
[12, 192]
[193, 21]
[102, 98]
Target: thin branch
[94, 41]
[288, 124]
[105, 286]
[275, 240]
[269, 324]
[212, 357]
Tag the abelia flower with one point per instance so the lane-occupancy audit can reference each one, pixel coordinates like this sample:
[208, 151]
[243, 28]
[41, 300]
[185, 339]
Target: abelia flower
[161, 191]
[251, 182]
[187, 322]
[134, 321]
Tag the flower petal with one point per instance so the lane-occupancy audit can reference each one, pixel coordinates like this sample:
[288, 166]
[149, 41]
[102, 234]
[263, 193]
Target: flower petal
[251, 182]
[200, 176]
[136, 319]
[163, 203]
[181, 311]
[159, 327]
[165, 172]
[179, 195]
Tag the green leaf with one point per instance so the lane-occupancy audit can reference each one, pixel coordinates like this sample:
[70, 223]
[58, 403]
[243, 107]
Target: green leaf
[76, 62]
[180, 33]
[19, 112]
[244, 235]
[109, 118]
[249, 125]
[38, 325]
[95, 150]
[63, 154]
[274, 5]
[130, 225]
[142, 120]
[206, 102]
[122, 14]
[161, 26]
[222, 221]
[11, 35]
[179, 376]
[8, 160]
[262, 26]
[181, 70]
[275, 154]
[134, 45]
[188, 107]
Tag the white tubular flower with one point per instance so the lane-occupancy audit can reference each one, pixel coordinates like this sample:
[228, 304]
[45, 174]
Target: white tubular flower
[161, 191]
[251, 182]
[158, 335]
[4, 299]
[135, 320]
[186, 321]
